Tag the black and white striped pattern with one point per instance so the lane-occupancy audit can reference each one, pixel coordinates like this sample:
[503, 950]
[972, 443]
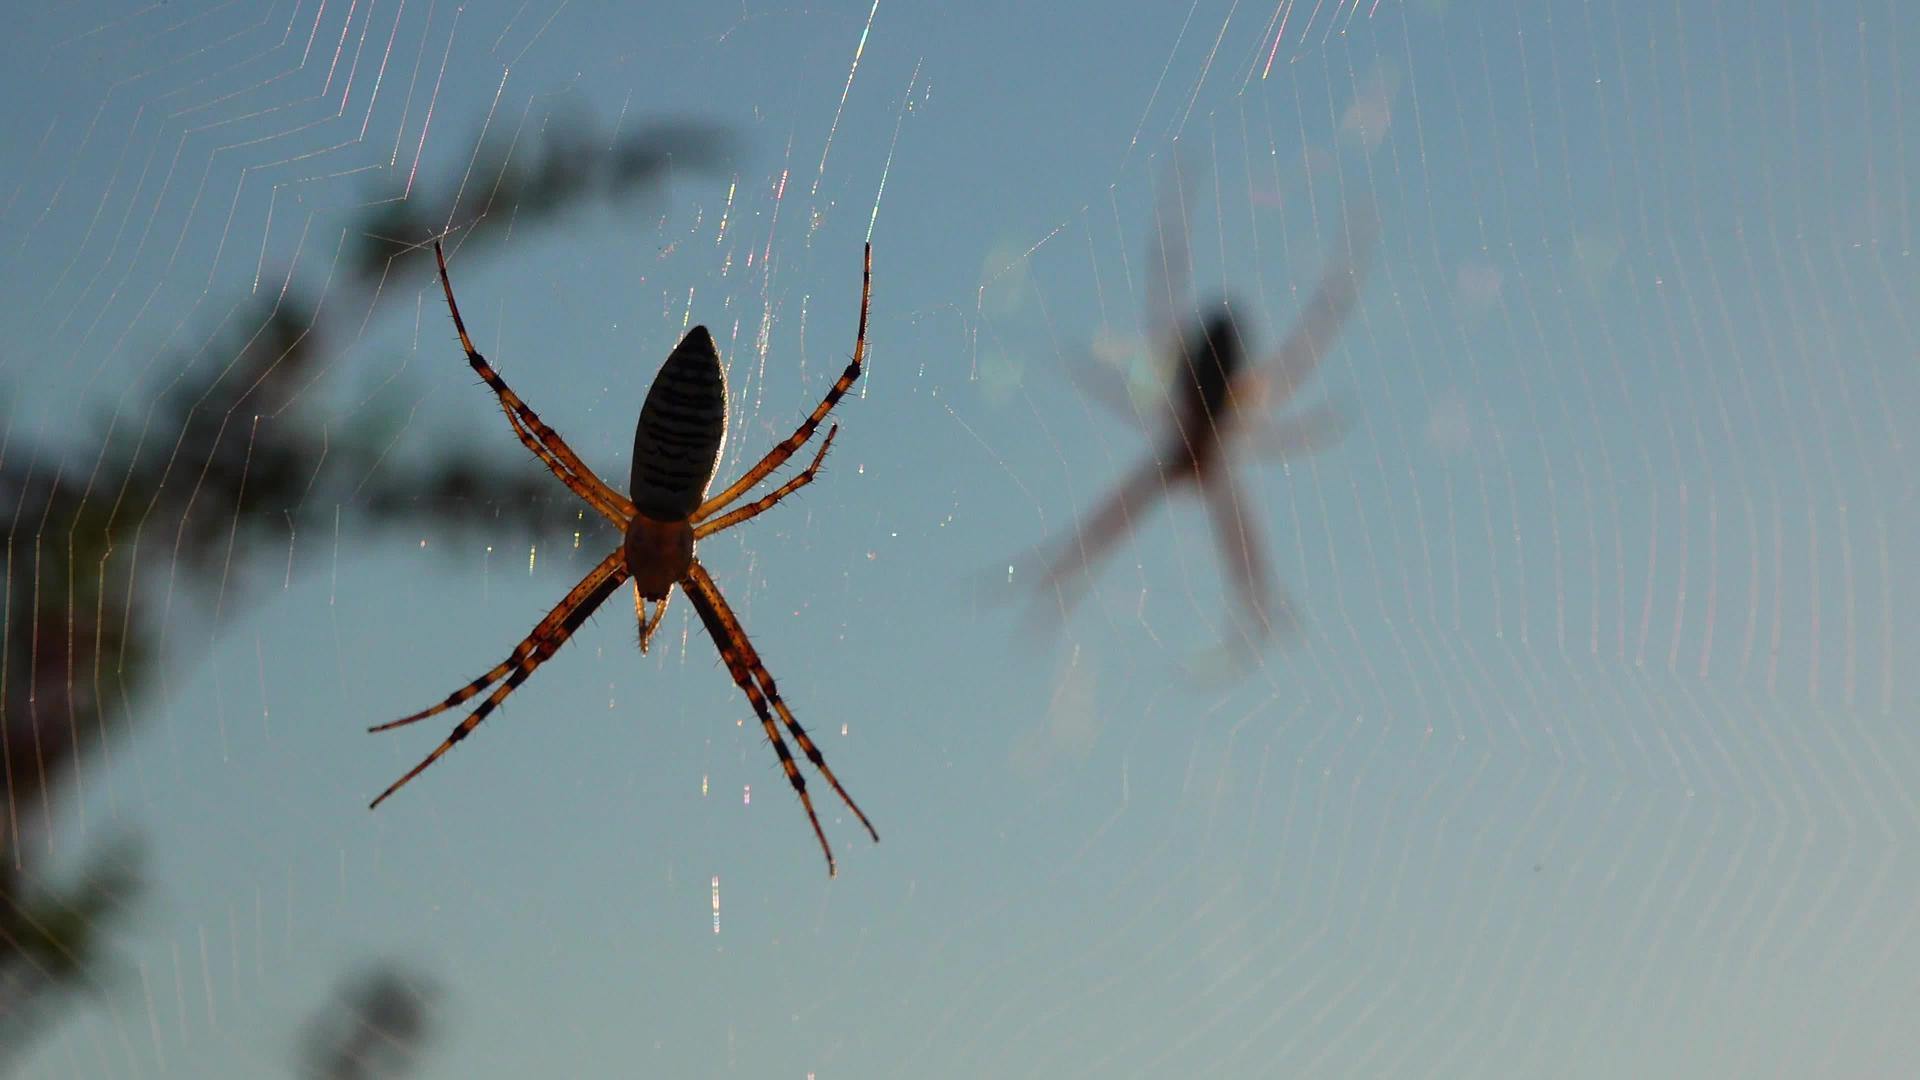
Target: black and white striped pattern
[682, 424]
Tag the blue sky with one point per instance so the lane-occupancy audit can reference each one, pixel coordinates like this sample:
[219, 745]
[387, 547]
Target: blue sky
[1589, 760]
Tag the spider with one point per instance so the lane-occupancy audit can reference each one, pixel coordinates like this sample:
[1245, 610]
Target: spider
[676, 448]
[1213, 390]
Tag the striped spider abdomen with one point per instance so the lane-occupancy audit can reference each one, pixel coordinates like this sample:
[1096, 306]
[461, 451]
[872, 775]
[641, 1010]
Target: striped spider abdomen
[676, 445]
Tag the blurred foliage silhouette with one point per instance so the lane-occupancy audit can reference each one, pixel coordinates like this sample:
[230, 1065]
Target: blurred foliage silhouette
[229, 458]
[572, 167]
[375, 1026]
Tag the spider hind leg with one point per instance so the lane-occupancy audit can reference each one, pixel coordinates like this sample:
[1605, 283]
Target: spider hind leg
[574, 611]
[751, 675]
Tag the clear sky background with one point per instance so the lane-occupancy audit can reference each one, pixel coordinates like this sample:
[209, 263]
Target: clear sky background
[1594, 756]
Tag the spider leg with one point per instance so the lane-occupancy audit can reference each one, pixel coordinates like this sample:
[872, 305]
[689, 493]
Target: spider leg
[1240, 558]
[706, 583]
[1327, 309]
[751, 675]
[541, 631]
[1099, 531]
[788, 447]
[742, 677]
[545, 442]
[1107, 385]
[766, 502]
[1305, 432]
[560, 469]
[1169, 263]
[598, 586]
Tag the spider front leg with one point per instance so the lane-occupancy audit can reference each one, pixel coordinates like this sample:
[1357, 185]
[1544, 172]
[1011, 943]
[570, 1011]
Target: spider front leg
[545, 443]
[766, 502]
[791, 445]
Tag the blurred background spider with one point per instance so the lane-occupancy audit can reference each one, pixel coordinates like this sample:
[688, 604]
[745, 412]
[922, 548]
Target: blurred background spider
[676, 448]
[1216, 396]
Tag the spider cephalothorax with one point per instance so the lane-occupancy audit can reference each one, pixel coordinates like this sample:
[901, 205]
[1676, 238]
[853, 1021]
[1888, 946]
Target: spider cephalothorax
[675, 449]
[658, 554]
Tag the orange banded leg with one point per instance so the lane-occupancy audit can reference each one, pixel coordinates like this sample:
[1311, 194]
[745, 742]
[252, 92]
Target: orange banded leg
[753, 678]
[545, 442]
[584, 488]
[782, 451]
[540, 655]
[743, 678]
[766, 502]
[544, 629]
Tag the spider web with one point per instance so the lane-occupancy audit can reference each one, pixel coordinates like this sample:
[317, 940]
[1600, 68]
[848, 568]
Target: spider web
[1587, 755]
